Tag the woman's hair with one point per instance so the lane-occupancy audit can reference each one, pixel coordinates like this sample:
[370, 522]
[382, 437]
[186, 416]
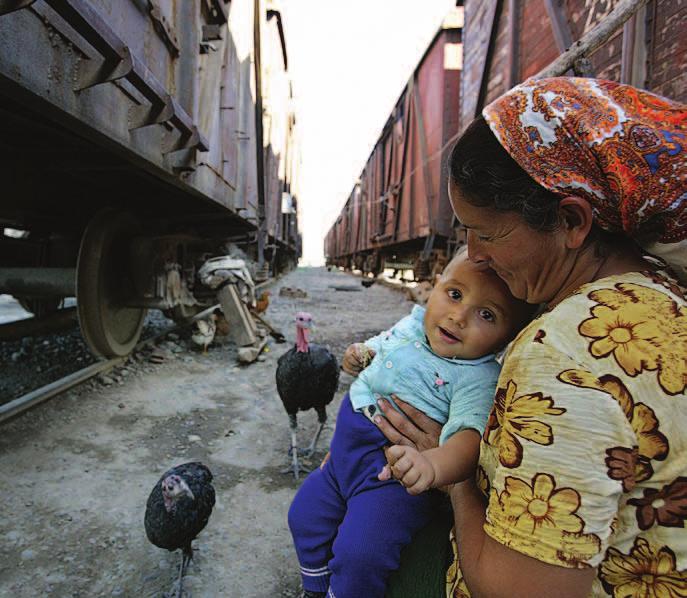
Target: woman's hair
[488, 177]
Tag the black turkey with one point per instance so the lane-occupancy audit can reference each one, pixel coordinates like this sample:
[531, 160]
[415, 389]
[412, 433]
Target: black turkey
[307, 378]
[178, 509]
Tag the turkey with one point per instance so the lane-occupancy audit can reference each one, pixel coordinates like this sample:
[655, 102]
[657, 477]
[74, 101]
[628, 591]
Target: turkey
[307, 378]
[178, 509]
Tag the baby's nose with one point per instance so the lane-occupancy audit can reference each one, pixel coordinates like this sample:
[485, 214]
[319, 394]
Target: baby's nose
[459, 315]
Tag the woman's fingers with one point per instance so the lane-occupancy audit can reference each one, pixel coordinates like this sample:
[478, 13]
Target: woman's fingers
[391, 433]
[404, 431]
[420, 419]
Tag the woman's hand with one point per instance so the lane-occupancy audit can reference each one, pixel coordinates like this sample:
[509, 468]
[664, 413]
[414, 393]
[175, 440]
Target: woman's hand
[410, 467]
[415, 429]
[356, 358]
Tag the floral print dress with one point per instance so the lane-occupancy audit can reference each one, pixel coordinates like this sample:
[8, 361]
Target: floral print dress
[584, 458]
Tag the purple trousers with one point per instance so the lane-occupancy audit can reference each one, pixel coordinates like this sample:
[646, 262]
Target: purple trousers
[347, 526]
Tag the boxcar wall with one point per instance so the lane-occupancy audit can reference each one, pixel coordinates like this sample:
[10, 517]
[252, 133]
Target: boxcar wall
[507, 41]
[398, 214]
[503, 42]
[154, 107]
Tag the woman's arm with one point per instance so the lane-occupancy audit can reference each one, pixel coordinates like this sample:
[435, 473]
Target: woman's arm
[412, 429]
[491, 570]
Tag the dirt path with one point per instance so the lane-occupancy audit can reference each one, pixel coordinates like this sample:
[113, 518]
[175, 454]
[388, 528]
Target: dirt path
[75, 473]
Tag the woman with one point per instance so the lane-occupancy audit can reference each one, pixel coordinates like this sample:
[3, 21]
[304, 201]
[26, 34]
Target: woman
[582, 484]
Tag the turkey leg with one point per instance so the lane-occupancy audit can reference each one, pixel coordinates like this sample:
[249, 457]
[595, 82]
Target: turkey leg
[322, 418]
[293, 450]
[186, 556]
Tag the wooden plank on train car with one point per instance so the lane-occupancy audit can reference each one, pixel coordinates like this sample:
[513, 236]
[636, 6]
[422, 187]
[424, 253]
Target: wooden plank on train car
[477, 44]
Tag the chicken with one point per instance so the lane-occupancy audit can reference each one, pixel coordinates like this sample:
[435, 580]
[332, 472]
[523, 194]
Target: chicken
[307, 378]
[178, 509]
[223, 327]
[203, 332]
[262, 302]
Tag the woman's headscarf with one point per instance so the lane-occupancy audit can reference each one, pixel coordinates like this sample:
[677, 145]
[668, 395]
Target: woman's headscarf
[621, 148]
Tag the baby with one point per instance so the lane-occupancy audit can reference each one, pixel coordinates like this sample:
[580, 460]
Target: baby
[349, 519]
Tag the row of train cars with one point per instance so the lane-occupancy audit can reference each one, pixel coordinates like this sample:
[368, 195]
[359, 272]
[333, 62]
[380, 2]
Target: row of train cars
[141, 138]
[398, 215]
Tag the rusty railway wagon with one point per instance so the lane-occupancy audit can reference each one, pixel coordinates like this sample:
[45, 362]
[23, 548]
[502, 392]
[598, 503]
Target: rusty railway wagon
[139, 138]
[398, 214]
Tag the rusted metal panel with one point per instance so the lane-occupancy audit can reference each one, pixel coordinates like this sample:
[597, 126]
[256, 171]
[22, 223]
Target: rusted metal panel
[657, 32]
[536, 49]
[479, 20]
[667, 58]
[108, 71]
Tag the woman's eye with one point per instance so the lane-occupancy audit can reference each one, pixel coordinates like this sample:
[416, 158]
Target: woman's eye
[485, 314]
[455, 295]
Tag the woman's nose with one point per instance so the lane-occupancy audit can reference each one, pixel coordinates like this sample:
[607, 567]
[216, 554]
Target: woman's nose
[475, 251]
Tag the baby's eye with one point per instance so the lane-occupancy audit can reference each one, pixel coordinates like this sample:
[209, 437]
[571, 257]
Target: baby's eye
[485, 314]
[455, 294]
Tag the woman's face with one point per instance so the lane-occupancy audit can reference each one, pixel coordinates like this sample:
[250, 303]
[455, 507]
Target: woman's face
[533, 264]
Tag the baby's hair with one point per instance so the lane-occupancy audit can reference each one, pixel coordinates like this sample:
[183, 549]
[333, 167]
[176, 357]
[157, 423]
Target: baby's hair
[458, 254]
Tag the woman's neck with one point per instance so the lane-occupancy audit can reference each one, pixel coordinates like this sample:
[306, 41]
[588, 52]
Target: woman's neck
[589, 267]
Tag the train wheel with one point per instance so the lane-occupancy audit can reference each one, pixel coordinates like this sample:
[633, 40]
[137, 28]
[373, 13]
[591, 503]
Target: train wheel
[103, 281]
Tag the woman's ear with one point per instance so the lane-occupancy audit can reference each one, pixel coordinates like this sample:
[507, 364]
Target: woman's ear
[576, 219]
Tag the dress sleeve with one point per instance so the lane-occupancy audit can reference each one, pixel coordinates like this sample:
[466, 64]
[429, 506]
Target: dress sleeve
[472, 400]
[550, 447]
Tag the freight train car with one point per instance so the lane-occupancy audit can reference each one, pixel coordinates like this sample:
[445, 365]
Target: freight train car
[398, 214]
[140, 138]
[503, 43]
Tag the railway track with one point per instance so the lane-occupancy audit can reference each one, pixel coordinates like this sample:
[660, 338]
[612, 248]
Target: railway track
[35, 397]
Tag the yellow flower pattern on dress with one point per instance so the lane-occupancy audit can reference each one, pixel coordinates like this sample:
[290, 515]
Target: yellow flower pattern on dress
[583, 455]
[540, 511]
[644, 329]
[646, 572]
[652, 444]
[482, 480]
[455, 583]
[515, 417]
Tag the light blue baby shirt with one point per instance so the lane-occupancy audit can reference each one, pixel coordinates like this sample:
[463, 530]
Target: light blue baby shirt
[457, 393]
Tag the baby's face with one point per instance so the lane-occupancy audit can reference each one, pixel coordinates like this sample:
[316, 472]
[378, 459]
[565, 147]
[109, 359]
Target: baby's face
[469, 312]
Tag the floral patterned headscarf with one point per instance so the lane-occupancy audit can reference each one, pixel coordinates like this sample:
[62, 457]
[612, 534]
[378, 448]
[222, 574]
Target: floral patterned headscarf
[621, 148]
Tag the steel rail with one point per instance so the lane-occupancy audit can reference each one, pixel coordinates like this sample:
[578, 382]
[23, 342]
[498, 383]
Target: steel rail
[35, 397]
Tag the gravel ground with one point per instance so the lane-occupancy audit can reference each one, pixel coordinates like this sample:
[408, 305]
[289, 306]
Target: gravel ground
[35, 361]
[75, 472]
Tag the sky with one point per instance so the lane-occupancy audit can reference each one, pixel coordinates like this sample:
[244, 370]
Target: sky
[349, 62]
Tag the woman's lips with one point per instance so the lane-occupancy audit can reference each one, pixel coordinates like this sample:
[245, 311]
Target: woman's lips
[447, 336]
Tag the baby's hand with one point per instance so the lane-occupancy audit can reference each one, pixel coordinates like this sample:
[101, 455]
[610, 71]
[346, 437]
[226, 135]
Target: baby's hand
[356, 358]
[410, 467]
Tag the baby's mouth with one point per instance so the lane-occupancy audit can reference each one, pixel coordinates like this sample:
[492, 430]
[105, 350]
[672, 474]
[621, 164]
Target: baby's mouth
[447, 336]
